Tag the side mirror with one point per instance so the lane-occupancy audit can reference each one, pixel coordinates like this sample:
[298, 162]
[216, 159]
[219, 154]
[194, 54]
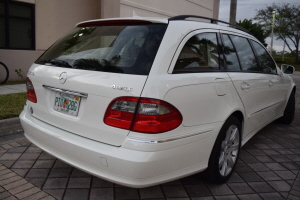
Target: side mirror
[287, 69]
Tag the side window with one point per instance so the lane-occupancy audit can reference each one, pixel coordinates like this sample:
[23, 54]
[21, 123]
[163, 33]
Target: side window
[232, 60]
[245, 54]
[200, 53]
[266, 62]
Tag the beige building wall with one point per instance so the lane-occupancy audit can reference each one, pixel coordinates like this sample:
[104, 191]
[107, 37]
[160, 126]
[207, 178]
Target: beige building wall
[110, 8]
[216, 9]
[18, 59]
[54, 18]
[168, 8]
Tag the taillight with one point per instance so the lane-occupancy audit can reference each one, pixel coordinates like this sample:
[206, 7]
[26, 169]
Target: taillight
[120, 112]
[30, 91]
[155, 116]
[142, 115]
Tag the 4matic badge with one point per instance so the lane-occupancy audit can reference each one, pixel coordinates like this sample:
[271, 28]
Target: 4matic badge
[126, 89]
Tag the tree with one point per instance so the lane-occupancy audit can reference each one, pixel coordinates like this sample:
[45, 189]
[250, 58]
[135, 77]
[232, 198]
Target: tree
[287, 24]
[256, 29]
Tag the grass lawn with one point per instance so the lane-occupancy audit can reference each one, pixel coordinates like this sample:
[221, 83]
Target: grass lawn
[14, 82]
[11, 105]
[287, 60]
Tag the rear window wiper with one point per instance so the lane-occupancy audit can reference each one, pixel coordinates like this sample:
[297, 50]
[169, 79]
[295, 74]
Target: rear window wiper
[56, 62]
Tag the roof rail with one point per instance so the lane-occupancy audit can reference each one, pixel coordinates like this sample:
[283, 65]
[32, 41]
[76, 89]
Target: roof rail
[213, 21]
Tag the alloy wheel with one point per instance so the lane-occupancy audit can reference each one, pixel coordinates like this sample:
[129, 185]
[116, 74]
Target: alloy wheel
[229, 150]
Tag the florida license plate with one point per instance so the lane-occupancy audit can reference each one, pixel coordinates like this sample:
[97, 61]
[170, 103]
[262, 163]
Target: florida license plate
[66, 103]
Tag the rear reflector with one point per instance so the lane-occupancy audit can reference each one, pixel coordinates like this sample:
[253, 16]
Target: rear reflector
[30, 91]
[142, 115]
[114, 23]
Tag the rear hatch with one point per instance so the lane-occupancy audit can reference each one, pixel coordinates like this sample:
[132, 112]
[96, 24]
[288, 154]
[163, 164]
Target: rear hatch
[77, 78]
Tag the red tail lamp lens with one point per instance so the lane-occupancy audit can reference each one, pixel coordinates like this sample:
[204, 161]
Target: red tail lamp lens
[30, 91]
[120, 112]
[156, 116]
[142, 115]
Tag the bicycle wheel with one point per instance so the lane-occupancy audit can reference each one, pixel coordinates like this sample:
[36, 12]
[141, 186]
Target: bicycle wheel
[4, 73]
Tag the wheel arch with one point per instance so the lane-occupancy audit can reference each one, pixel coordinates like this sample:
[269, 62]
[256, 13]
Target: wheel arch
[210, 171]
[294, 89]
[240, 116]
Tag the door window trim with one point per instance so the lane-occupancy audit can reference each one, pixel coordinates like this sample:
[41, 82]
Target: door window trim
[249, 38]
[223, 44]
[241, 70]
[254, 50]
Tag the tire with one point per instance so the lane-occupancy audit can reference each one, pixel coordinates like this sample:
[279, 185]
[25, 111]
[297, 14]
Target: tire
[2, 81]
[225, 152]
[289, 111]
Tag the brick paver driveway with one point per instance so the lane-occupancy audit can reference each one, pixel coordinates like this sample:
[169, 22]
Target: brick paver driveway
[267, 169]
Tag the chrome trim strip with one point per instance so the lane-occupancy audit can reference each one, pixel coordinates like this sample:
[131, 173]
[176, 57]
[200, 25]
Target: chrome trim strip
[265, 108]
[166, 140]
[66, 91]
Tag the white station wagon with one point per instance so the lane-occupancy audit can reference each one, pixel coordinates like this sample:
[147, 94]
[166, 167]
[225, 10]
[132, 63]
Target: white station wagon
[142, 101]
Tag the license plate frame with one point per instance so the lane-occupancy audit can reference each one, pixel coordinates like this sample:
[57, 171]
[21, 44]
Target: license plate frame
[66, 103]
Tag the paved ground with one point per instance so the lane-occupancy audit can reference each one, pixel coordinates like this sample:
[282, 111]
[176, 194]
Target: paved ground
[8, 89]
[268, 168]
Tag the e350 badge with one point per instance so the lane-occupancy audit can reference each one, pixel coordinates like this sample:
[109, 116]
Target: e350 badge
[126, 89]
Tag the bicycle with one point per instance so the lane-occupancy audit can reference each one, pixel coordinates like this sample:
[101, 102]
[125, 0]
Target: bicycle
[4, 73]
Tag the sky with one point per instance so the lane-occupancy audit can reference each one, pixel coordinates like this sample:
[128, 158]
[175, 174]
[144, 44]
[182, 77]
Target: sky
[246, 9]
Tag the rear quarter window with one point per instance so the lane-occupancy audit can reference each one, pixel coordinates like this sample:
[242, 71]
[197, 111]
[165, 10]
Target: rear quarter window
[199, 54]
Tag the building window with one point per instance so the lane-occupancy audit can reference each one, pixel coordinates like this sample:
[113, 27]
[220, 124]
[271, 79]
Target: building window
[17, 25]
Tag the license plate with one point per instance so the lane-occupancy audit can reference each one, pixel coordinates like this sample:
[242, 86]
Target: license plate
[66, 103]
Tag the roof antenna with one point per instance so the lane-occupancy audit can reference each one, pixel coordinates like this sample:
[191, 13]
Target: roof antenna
[134, 14]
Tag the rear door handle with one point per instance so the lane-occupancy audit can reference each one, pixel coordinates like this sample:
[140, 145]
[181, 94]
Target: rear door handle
[245, 86]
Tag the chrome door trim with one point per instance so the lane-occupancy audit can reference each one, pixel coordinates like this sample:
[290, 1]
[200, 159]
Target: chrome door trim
[265, 108]
[66, 91]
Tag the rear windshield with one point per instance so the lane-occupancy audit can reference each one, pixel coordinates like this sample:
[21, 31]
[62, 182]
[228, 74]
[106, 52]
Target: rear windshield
[118, 49]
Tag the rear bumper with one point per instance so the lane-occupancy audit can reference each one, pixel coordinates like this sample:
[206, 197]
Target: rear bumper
[124, 166]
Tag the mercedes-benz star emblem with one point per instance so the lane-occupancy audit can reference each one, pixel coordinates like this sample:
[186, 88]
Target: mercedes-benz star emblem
[63, 77]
